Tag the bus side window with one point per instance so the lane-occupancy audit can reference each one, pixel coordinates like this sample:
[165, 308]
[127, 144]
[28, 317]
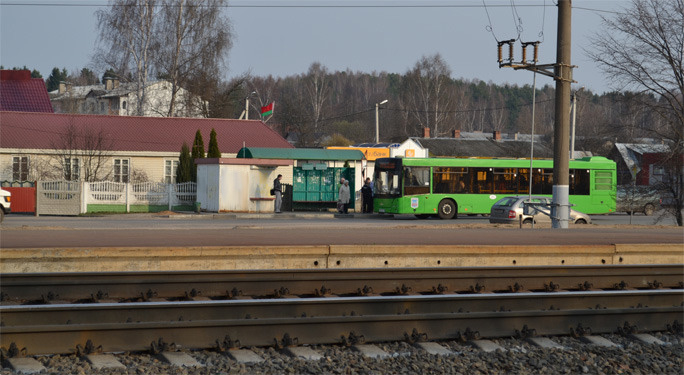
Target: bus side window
[416, 180]
[481, 182]
[579, 182]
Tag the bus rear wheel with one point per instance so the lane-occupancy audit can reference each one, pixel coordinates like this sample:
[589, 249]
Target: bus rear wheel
[447, 209]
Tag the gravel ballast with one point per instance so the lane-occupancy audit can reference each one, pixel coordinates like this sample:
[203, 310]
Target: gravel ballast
[519, 357]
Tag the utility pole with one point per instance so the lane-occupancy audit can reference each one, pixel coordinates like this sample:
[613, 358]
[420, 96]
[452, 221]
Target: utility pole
[560, 210]
[561, 72]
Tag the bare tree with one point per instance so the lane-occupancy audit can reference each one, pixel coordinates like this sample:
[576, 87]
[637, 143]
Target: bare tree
[192, 38]
[82, 153]
[318, 91]
[428, 93]
[126, 37]
[642, 49]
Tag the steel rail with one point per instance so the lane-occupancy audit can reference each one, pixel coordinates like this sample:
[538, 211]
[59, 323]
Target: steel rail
[188, 285]
[330, 320]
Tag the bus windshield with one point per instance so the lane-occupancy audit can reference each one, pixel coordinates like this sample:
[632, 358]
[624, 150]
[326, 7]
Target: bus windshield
[387, 178]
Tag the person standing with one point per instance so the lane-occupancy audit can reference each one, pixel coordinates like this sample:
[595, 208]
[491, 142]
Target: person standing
[367, 197]
[278, 190]
[344, 195]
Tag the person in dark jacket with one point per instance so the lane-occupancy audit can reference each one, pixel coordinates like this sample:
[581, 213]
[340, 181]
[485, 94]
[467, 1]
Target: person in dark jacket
[367, 197]
[278, 190]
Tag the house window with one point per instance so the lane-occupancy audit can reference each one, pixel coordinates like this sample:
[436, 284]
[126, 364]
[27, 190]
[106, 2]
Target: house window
[71, 169]
[658, 170]
[121, 168]
[170, 168]
[123, 105]
[20, 166]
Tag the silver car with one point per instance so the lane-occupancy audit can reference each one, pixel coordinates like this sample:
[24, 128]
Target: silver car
[635, 199]
[511, 210]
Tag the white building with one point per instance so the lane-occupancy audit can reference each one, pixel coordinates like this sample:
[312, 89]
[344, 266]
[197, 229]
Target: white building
[121, 99]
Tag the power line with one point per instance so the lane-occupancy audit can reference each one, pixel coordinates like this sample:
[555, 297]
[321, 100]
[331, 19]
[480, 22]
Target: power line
[517, 20]
[253, 5]
[598, 10]
[489, 28]
[468, 110]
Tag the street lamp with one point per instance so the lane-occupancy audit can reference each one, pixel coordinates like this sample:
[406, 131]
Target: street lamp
[246, 111]
[247, 105]
[377, 120]
[574, 117]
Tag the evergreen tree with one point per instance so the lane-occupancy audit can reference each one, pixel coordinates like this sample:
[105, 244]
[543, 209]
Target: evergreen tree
[197, 152]
[213, 151]
[55, 78]
[185, 165]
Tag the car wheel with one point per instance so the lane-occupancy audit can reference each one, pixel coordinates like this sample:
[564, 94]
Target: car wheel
[581, 221]
[447, 209]
[649, 209]
[527, 221]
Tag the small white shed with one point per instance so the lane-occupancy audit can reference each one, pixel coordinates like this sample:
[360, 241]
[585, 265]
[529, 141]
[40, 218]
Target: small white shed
[239, 185]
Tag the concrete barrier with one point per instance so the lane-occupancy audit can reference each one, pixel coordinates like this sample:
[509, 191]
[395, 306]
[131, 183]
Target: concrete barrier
[327, 256]
[649, 253]
[378, 256]
[162, 259]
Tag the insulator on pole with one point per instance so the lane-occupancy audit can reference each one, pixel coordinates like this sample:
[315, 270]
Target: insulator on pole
[524, 53]
[498, 47]
[510, 50]
[536, 51]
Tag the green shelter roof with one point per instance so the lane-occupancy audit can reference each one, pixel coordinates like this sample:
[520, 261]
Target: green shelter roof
[299, 153]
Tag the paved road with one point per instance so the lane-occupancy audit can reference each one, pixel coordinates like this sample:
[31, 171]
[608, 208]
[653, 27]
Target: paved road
[311, 229]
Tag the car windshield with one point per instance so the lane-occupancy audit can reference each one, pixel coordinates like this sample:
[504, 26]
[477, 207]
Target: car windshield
[508, 201]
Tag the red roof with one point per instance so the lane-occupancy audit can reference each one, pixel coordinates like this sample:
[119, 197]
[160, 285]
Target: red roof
[20, 92]
[127, 133]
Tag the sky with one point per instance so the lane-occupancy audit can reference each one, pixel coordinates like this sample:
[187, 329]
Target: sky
[284, 37]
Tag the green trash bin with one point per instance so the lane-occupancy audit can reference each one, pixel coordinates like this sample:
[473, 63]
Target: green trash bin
[197, 207]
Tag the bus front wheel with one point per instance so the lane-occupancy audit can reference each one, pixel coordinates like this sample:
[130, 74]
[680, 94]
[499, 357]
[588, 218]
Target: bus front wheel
[447, 209]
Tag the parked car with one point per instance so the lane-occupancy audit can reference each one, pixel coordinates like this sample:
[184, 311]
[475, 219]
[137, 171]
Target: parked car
[511, 209]
[642, 199]
[5, 200]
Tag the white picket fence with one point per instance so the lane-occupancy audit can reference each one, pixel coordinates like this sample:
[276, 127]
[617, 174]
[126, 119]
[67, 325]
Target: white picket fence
[143, 193]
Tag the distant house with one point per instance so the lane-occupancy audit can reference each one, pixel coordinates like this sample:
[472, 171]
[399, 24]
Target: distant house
[639, 163]
[121, 99]
[488, 145]
[20, 92]
[122, 149]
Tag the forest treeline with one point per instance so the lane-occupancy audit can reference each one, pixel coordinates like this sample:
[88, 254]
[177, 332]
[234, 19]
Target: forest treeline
[320, 107]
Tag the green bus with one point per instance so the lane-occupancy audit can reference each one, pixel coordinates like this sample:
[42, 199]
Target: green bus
[450, 186]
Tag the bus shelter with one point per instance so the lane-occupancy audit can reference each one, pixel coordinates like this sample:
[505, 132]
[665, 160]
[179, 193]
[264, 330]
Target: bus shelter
[316, 174]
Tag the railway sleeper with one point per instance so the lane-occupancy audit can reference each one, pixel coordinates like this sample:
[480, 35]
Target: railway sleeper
[89, 348]
[415, 336]
[286, 341]
[12, 352]
[226, 344]
[352, 339]
[159, 346]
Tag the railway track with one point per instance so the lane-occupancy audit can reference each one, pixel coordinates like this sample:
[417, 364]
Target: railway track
[48, 313]
[37, 288]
